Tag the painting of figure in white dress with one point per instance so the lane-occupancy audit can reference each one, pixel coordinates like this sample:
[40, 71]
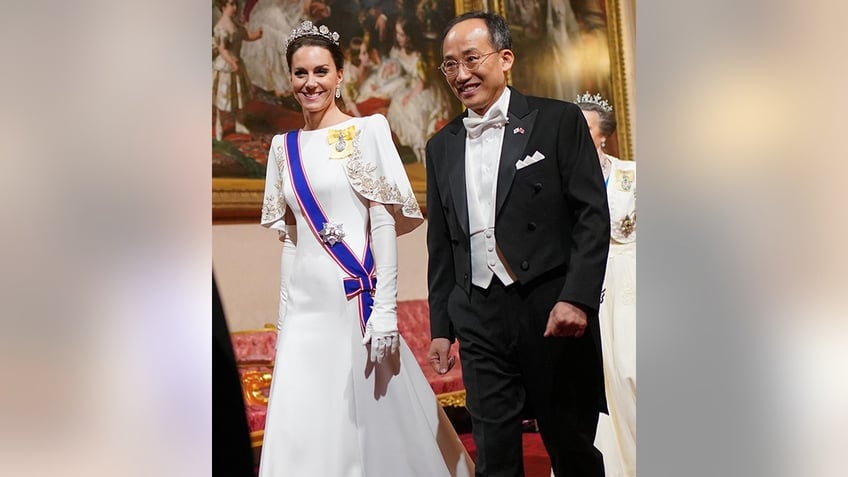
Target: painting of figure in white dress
[565, 41]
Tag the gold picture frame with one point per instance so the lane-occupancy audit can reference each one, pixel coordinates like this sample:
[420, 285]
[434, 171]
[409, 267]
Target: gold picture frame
[568, 47]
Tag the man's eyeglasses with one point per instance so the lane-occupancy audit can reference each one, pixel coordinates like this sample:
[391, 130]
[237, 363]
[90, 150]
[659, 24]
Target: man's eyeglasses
[450, 68]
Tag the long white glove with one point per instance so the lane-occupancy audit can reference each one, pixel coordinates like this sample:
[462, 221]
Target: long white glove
[286, 263]
[382, 330]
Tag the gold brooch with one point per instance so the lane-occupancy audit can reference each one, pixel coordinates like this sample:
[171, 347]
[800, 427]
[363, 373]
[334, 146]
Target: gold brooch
[341, 142]
[628, 223]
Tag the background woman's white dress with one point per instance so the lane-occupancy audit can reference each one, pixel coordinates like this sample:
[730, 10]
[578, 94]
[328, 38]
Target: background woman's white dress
[616, 437]
[230, 90]
[331, 412]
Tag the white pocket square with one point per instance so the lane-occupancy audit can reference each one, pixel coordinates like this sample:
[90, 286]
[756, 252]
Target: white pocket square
[537, 156]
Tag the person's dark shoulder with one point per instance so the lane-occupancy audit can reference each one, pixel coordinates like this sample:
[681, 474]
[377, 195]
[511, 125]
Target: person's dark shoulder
[555, 105]
[555, 111]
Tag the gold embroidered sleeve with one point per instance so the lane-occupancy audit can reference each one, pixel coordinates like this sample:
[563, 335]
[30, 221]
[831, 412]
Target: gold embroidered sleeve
[365, 179]
[274, 205]
[383, 179]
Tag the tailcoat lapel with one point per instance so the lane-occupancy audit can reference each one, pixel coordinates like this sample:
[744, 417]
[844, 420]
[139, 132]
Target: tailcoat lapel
[516, 134]
[455, 145]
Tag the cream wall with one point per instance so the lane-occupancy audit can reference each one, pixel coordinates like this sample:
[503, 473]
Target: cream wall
[246, 260]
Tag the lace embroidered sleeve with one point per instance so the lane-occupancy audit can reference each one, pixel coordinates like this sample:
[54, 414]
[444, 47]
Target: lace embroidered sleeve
[274, 204]
[375, 171]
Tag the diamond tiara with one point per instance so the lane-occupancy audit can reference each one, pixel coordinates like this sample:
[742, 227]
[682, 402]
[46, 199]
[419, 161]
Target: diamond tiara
[596, 99]
[308, 29]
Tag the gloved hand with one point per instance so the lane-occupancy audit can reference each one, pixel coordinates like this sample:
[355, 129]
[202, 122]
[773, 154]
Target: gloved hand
[381, 330]
[286, 263]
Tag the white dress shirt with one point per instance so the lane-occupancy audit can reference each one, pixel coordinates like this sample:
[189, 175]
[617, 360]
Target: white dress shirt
[482, 158]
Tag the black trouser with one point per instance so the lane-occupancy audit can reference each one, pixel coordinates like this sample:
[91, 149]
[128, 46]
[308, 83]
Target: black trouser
[512, 372]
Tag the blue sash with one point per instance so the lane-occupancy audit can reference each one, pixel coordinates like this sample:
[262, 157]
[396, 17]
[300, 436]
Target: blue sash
[361, 281]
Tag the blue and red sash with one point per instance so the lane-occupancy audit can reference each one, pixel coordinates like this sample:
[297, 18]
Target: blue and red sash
[361, 281]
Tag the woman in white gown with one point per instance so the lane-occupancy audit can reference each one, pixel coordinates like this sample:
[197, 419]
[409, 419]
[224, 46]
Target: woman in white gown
[616, 436]
[347, 396]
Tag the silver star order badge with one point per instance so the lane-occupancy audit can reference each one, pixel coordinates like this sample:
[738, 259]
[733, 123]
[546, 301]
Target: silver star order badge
[332, 233]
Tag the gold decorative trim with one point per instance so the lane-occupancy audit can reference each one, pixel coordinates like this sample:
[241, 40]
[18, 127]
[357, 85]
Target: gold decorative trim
[498, 6]
[619, 79]
[253, 363]
[452, 399]
[256, 438]
[237, 200]
[463, 6]
[265, 327]
[253, 384]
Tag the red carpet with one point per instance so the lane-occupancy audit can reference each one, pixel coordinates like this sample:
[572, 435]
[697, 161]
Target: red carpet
[536, 461]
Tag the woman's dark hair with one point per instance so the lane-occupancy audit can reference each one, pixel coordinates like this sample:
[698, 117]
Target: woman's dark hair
[498, 28]
[354, 50]
[316, 40]
[414, 39]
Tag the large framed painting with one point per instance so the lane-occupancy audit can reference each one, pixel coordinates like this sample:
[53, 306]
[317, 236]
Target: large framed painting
[392, 52]
[566, 48]
[391, 58]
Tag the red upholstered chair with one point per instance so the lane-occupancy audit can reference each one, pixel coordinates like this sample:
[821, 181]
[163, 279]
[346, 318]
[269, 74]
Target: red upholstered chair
[414, 326]
[254, 352]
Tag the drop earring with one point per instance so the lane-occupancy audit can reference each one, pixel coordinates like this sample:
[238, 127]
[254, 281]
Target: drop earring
[338, 91]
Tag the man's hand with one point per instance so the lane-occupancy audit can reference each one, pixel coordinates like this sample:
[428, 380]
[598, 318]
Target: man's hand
[438, 356]
[566, 320]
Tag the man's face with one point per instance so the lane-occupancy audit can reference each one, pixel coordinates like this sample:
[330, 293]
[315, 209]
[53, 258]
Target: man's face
[480, 88]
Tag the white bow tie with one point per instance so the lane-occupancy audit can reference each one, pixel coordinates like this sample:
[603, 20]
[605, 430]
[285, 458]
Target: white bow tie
[476, 126]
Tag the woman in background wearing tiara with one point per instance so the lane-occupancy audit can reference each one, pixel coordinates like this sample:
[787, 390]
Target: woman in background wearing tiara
[347, 395]
[616, 437]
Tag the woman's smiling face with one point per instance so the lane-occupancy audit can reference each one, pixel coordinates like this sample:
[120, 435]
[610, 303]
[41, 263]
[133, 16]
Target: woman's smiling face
[314, 78]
